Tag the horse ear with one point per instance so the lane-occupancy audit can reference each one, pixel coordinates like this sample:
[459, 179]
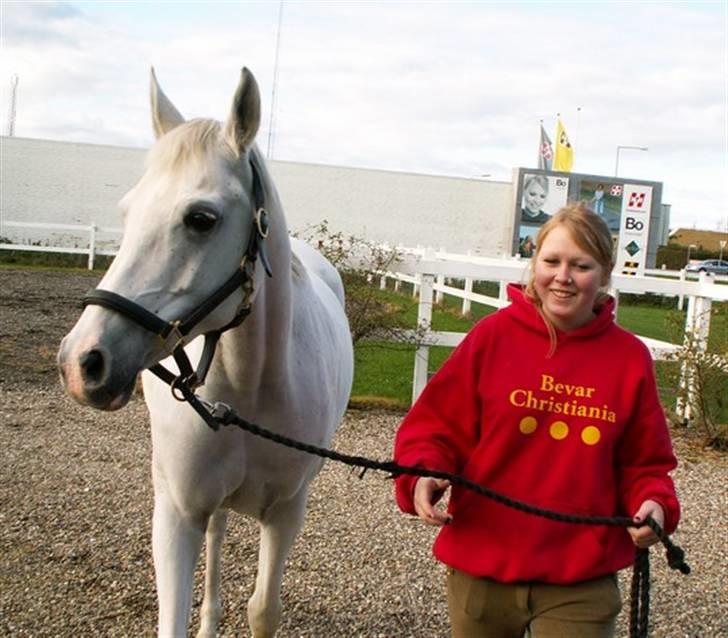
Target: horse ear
[244, 119]
[165, 115]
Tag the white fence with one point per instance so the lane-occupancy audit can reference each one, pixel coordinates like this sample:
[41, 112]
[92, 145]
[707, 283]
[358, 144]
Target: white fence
[428, 271]
[91, 249]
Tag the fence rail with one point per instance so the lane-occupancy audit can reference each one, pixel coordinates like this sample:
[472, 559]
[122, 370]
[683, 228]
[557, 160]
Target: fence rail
[91, 249]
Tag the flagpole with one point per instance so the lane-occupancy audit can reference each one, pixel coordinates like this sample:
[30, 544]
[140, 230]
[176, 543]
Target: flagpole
[578, 121]
[540, 150]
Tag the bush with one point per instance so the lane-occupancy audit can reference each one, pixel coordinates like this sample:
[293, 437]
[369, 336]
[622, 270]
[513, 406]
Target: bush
[372, 315]
[701, 379]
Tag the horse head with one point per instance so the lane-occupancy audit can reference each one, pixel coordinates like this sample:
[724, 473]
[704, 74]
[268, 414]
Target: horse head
[187, 223]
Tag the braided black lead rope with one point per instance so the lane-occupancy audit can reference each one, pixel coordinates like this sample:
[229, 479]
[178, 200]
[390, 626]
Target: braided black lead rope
[221, 414]
[640, 595]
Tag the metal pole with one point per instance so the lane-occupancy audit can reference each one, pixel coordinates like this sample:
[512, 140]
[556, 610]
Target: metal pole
[13, 104]
[619, 148]
[271, 124]
[578, 122]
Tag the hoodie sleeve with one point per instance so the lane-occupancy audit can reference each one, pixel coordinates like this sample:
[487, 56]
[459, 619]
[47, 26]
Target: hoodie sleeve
[441, 429]
[645, 456]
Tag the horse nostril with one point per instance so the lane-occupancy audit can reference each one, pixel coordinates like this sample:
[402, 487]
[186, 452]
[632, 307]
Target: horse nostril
[92, 365]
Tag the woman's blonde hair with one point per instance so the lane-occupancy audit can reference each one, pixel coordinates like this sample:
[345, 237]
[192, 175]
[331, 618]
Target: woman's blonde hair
[591, 233]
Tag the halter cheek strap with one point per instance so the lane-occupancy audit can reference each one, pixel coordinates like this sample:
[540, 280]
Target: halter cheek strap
[174, 333]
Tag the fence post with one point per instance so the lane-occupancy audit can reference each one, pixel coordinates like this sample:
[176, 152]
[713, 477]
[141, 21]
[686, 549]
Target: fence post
[92, 246]
[424, 323]
[681, 297]
[468, 292]
[439, 294]
[416, 286]
[697, 329]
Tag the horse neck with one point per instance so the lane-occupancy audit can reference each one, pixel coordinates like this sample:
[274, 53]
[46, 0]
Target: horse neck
[258, 349]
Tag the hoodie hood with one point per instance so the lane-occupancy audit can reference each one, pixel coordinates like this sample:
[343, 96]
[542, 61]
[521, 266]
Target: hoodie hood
[523, 310]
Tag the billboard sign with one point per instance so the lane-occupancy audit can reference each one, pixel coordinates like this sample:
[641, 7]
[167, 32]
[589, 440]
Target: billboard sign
[626, 205]
[634, 230]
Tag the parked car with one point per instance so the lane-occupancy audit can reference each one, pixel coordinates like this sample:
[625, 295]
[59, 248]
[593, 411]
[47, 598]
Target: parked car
[716, 266]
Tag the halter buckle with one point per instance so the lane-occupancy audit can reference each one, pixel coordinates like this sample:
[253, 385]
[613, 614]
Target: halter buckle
[175, 336]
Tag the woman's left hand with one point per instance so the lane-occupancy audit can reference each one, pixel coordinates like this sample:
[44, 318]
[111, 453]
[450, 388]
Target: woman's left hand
[644, 537]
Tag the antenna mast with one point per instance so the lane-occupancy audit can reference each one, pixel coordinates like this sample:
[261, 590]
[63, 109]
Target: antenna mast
[273, 106]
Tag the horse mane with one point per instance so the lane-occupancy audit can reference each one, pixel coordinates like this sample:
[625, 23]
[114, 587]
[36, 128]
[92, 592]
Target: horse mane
[190, 141]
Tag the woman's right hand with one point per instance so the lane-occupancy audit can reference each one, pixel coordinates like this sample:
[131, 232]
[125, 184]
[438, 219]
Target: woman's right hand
[428, 491]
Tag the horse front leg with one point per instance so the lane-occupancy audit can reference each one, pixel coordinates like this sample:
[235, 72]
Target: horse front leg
[176, 544]
[278, 531]
[211, 610]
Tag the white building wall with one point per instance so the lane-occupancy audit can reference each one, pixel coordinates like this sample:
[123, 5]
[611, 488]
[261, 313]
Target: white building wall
[454, 213]
[71, 183]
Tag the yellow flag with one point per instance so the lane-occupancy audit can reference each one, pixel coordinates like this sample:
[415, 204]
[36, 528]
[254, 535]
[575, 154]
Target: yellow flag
[564, 157]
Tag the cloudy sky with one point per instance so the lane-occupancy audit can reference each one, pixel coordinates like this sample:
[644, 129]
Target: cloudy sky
[447, 88]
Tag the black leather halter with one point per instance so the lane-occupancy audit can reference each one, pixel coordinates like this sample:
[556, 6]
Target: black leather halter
[177, 330]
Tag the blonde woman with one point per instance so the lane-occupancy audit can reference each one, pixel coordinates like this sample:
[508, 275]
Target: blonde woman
[549, 402]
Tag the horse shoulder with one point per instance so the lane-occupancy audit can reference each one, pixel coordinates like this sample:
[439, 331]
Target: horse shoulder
[319, 320]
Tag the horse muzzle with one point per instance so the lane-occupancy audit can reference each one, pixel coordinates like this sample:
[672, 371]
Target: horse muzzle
[91, 376]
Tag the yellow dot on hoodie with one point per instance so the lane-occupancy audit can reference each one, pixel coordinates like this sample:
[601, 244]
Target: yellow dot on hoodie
[528, 425]
[591, 435]
[559, 430]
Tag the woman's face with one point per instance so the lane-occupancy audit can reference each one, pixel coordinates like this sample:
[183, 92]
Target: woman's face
[567, 280]
[534, 197]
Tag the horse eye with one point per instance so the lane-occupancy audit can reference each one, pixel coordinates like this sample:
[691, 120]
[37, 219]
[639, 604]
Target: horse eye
[199, 220]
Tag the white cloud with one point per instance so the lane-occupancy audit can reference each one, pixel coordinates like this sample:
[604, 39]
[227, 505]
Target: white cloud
[453, 88]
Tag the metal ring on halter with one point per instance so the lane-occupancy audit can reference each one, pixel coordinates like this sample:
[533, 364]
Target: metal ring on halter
[261, 222]
[176, 392]
[189, 382]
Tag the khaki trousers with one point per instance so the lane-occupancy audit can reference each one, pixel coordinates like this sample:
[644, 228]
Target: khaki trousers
[483, 608]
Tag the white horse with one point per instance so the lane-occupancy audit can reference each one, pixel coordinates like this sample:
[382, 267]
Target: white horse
[288, 366]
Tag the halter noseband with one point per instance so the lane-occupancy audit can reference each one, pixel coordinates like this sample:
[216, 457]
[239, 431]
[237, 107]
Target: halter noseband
[177, 330]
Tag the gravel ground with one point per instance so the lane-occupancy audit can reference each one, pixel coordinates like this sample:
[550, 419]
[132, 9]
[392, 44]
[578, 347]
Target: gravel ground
[76, 500]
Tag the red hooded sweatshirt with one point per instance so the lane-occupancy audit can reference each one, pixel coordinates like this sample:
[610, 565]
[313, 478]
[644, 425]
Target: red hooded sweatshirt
[581, 432]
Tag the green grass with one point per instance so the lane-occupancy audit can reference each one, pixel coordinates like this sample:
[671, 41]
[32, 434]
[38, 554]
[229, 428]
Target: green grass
[31, 260]
[651, 321]
[383, 373]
